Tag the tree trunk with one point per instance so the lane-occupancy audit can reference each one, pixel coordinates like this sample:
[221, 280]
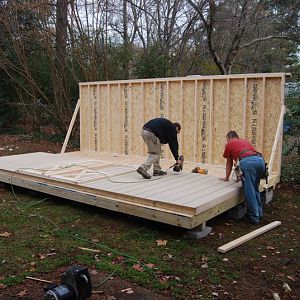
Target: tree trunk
[61, 35]
[125, 41]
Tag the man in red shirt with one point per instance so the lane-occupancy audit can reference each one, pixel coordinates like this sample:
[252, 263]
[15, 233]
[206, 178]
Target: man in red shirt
[252, 166]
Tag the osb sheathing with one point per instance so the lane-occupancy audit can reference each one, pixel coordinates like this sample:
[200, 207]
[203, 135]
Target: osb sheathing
[112, 114]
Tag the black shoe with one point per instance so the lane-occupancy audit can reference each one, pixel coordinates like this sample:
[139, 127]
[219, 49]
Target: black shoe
[143, 172]
[159, 173]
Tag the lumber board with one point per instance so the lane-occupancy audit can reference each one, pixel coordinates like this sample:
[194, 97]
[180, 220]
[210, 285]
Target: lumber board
[247, 237]
[216, 208]
[276, 139]
[63, 149]
[234, 76]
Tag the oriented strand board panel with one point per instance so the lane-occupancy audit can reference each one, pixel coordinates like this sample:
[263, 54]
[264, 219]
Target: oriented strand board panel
[219, 120]
[84, 117]
[173, 109]
[255, 111]
[202, 125]
[103, 96]
[112, 114]
[273, 98]
[114, 124]
[237, 99]
[188, 121]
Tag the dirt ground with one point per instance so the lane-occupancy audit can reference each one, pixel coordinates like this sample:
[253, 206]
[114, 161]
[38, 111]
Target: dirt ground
[249, 287]
[112, 289]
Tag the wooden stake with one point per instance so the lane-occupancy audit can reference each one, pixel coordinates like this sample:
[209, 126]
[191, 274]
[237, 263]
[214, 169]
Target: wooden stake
[87, 249]
[38, 279]
[247, 237]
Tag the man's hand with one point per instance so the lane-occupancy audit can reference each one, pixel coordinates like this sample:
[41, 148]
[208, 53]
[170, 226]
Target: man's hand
[224, 179]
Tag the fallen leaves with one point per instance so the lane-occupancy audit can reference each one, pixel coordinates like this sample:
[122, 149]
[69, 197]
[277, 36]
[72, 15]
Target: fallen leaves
[41, 256]
[291, 278]
[164, 278]
[168, 257]
[150, 266]
[286, 287]
[5, 234]
[161, 242]
[204, 260]
[2, 286]
[127, 291]
[118, 260]
[93, 272]
[22, 293]
[138, 267]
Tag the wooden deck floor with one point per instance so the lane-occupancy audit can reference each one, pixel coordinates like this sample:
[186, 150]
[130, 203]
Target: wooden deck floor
[111, 181]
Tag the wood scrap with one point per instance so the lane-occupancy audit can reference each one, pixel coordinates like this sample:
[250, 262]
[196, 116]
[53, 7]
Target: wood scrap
[87, 249]
[247, 237]
[38, 279]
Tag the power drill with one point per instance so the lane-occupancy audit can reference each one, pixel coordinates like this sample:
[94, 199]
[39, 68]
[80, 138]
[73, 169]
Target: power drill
[179, 166]
[199, 170]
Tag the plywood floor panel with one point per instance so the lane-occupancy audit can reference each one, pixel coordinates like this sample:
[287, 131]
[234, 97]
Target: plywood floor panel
[183, 185]
[200, 195]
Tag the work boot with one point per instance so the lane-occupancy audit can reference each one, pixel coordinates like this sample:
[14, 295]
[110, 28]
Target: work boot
[143, 172]
[159, 173]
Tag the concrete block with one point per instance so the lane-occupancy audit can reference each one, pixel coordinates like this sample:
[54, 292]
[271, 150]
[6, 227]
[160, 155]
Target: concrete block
[237, 212]
[198, 233]
[267, 196]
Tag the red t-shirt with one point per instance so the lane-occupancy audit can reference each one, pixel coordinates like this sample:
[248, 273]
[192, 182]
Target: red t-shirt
[234, 147]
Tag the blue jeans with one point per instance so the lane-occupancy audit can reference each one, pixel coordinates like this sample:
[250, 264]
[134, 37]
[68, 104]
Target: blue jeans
[252, 168]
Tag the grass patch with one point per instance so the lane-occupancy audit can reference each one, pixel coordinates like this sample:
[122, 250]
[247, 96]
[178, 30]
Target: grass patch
[40, 226]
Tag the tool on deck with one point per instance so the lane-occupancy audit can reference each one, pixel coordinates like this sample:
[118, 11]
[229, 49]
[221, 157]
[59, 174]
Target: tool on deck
[199, 170]
[179, 166]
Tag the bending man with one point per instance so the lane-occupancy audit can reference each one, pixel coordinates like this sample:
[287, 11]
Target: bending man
[252, 166]
[154, 133]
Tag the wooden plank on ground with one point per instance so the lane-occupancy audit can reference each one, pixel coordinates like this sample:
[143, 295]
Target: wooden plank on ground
[247, 237]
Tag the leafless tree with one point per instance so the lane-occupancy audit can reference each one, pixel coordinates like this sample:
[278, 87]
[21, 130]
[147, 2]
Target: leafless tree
[232, 25]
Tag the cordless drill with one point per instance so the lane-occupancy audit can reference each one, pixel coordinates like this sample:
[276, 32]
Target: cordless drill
[179, 166]
[199, 170]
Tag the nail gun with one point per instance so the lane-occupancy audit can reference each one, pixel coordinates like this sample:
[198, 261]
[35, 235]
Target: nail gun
[177, 167]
